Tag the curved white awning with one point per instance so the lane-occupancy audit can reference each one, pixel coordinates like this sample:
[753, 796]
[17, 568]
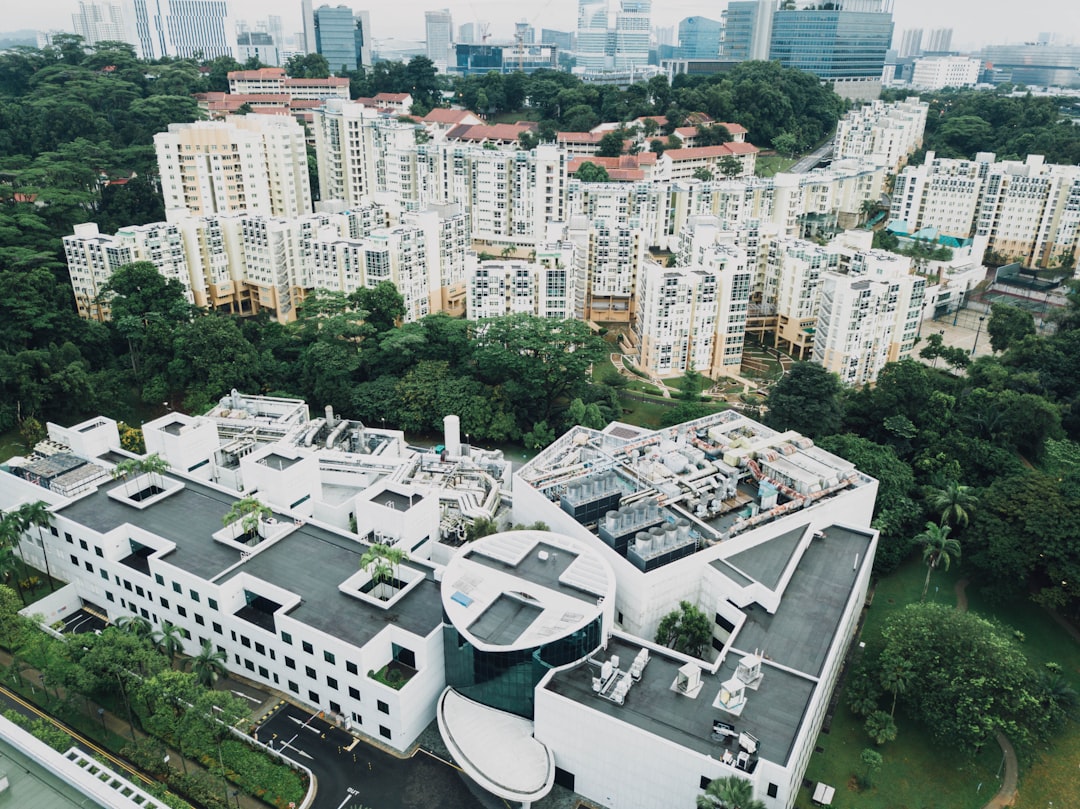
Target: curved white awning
[495, 748]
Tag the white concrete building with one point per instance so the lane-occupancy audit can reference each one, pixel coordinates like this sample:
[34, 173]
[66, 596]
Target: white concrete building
[868, 317]
[761, 530]
[99, 22]
[937, 72]
[886, 133]
[515, 286]
[250, 163]
[180, 28]
[439, 27]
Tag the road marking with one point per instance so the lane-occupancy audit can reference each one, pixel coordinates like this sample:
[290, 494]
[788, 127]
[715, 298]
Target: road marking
[355, 742]
[352, 794]
[245, 696]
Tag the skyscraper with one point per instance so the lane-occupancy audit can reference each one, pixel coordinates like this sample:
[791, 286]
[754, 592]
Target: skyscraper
[181, 28]
[440, 33]
[845, 45]
[910, 43]
[939, 40]
[592, 35]
[307, 11]
[99, 22]
[602, 48]
[747, 27]
[342, 37]
[699, 38]
[633, 22]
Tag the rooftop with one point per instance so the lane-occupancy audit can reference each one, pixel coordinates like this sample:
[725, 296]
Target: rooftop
[797, 637]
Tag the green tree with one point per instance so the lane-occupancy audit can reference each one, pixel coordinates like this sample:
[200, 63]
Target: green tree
[1008, 325]
[954, 502]
[896, 676]
[806, 400]
[611, 144]
[729, 792]
[589, 172]
[540, 436]
[880, 727]
[703, 173]
[169, 640]
[939, 549]
[307, 66]
[871, 761]
[37, 515]
[786, 143]
[687, 630]
[208, 665]
[383, 306]
[730, 166]
[249, 511]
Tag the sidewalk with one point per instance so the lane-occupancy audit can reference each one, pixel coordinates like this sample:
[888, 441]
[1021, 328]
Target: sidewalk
[120, 727]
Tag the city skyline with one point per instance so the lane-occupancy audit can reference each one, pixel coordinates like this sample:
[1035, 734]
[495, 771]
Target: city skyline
[992, 21]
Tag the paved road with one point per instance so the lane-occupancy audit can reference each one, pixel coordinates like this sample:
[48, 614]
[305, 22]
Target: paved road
[352, 774]
[812, 159]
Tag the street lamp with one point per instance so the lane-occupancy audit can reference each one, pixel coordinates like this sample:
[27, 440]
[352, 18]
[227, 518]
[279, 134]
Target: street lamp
[101, 716]
[236, 797]
[978, 331]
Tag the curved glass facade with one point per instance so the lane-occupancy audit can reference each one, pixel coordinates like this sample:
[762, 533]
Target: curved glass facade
[507, 679]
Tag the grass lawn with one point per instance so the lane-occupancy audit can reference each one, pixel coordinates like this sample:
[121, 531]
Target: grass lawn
[10, 444]
[768, 165]
[920, 773]
[1054, 773]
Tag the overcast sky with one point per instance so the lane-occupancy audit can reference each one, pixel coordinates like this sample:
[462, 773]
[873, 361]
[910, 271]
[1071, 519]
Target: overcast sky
[974, 21]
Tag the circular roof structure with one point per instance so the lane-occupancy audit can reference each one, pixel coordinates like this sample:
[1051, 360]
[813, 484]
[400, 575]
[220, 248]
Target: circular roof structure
[522, 589]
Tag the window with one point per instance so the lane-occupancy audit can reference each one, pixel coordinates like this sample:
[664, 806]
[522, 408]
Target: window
[704, 782]
[772, 790]
[350, 667]
[290, 663]
[354, 692]
[216, 627]
[328, 657]
[88, 566]
[249, 665]
[264, 673]
[245, 641]
[332, 682]
[335, 707]
[310, 672]
[260, 648]
[139, 591]
[308, 647]
[313, 697]
[98, 552]
[356, 718]
[177, 588]
[104, 574]
[181, 611]
[384, 708]
[75, 561]
[83, 545]
[109, 596]
[285, 636]
[200, 620]
[384, 731]
[194, 596]
[159, 579]
[294, 687]
[68, 538]
[212, 602]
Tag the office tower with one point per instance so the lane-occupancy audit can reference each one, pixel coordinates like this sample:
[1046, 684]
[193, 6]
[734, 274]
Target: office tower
[255, 163]
[257, 45]
[633, 22]
[99, 22]
[910, 43]
[845, 46]
[275, 29]
[592, 35]
[307, 11]
[747, 27]
[467, 33]
[342, 37]
[936, 72]
[180, 28]
[699, 38]
[939, 40]
[665, 35]
[439, 26]
[1038, 65]
[563, 39]
[524, 33]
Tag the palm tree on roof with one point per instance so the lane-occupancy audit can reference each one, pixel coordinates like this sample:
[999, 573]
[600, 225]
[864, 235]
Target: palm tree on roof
[729, 792]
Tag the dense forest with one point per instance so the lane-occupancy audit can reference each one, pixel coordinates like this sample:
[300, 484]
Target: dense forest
[963, 122]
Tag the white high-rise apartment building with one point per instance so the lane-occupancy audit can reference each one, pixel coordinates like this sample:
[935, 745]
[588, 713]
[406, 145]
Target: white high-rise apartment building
[942, 193]
[612, 253]
[910, 43]
[939, 40]
[180, 28]
[936, 72]
[693, 317]
[515, 286]
[252, 163]
[886, 133]
[439, 27]
[93, 257]
[99, 22]
[868, 316]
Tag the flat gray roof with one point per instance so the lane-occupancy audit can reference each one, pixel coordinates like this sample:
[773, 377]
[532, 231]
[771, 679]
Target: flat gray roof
[545, 573]
[773, 713]
[188, 517]
[503, 622]
[799, 634]
[767, 562]
[798, 637]
[312, 562]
